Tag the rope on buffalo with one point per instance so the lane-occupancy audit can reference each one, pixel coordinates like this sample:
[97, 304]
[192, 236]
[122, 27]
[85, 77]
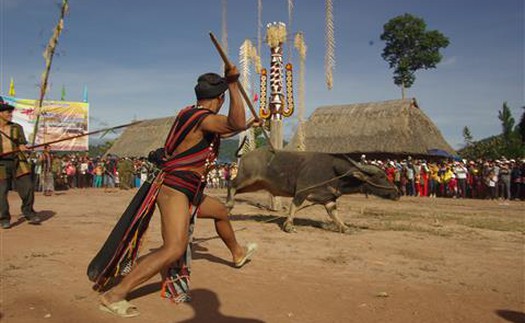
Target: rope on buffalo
[340, 176]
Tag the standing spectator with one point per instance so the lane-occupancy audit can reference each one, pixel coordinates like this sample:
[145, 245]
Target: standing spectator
[492, 182]
[36, 165]
[515, 179]
[434, 180]
[390, 171]
[504, 180]
[411, 186]
[397, 175]
[71, 172]
[461, 174]
[83, 171]
[144, 171]
[99, 172]
[14, 167]
[47, 178]
[417, 177]
[110, 170]
[475, 180]
[496, 168]
[227, 177]
[425, 173]
[521, 196]
[125, 172]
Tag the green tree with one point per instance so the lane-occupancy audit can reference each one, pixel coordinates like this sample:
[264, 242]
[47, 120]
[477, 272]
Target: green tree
[100, 149]
[521, 126]
[509, 143]
[507, 121]
[467, 136]
[410, 47]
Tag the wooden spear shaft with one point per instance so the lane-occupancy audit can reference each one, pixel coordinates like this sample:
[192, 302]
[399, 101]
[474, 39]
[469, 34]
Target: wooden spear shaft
[50, 52]
[228, 64]
[69, 138]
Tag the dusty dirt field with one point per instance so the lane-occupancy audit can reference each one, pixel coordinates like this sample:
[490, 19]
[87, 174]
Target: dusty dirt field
[415, 260]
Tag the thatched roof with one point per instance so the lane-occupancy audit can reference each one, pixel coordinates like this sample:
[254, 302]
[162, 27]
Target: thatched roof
[395, 127]
[138, 140]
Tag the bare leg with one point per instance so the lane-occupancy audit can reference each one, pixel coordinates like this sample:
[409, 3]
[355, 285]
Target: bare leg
[174, 210]
[212, 208]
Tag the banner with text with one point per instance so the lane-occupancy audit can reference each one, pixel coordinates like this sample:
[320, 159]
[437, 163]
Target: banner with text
[58, 120]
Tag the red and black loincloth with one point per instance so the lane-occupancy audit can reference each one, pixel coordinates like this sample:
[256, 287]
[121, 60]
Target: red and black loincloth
[120, 251]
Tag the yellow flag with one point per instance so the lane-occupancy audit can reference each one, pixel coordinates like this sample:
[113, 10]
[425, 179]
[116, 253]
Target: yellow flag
[12, 91]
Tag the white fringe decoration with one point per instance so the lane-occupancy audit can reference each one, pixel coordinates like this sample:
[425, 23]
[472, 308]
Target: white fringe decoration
[330, 44]
[275, 34]
[259, 25]
[301, 48]
[290, 17]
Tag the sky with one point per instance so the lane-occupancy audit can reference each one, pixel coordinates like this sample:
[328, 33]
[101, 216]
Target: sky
[140, 59]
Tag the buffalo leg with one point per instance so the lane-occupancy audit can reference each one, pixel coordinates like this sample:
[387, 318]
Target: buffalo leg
[331, 208]
[230, 198]
[288, 224]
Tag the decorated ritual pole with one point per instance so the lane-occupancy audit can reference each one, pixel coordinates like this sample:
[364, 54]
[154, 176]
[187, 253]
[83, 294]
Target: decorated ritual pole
[277, 107]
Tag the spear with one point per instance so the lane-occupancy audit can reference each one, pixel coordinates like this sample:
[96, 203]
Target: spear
[48, 55]
[67, 138]
[227, 63]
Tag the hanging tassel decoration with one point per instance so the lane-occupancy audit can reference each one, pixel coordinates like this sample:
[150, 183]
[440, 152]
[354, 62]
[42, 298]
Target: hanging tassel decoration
[330, 44]
[301, 48]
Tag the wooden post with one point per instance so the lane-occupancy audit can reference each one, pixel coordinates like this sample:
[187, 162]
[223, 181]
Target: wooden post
[276, 138]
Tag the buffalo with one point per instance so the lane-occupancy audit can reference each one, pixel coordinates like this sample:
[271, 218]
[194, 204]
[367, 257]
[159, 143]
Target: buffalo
[319, 178]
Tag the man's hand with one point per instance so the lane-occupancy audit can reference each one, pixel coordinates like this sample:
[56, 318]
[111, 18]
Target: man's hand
[23, 148]
[252, 122]
[231, 74]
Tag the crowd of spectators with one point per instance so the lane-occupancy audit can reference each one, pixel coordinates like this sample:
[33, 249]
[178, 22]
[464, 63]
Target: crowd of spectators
[81, 171]
[481, 179]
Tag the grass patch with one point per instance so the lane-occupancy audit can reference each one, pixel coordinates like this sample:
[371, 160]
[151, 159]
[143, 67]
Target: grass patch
[496, 224]
[410, 227]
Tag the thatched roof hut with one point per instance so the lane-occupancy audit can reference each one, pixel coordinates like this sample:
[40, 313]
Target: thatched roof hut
[388, 129]
[138, 140]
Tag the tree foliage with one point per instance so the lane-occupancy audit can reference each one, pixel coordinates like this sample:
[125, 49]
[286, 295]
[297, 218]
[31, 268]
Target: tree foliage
[521, 126]
[507, 121]
[100, 149]
[467, 136]
[410, 47]
[509, 143]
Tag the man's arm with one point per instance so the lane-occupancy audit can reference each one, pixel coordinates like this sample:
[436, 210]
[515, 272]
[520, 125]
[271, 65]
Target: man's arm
[236, 119]
[252, 122]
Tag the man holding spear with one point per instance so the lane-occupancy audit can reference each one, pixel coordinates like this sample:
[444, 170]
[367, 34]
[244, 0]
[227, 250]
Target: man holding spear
[14, 167]
[189, 152]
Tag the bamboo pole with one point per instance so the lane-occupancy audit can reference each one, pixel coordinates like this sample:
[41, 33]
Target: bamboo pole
[48, 55]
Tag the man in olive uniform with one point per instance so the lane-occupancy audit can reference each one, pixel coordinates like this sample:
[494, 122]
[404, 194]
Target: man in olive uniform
[14, 167]
[125, 173]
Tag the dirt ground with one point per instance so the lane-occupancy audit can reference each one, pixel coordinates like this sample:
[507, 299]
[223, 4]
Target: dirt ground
[414, 260]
